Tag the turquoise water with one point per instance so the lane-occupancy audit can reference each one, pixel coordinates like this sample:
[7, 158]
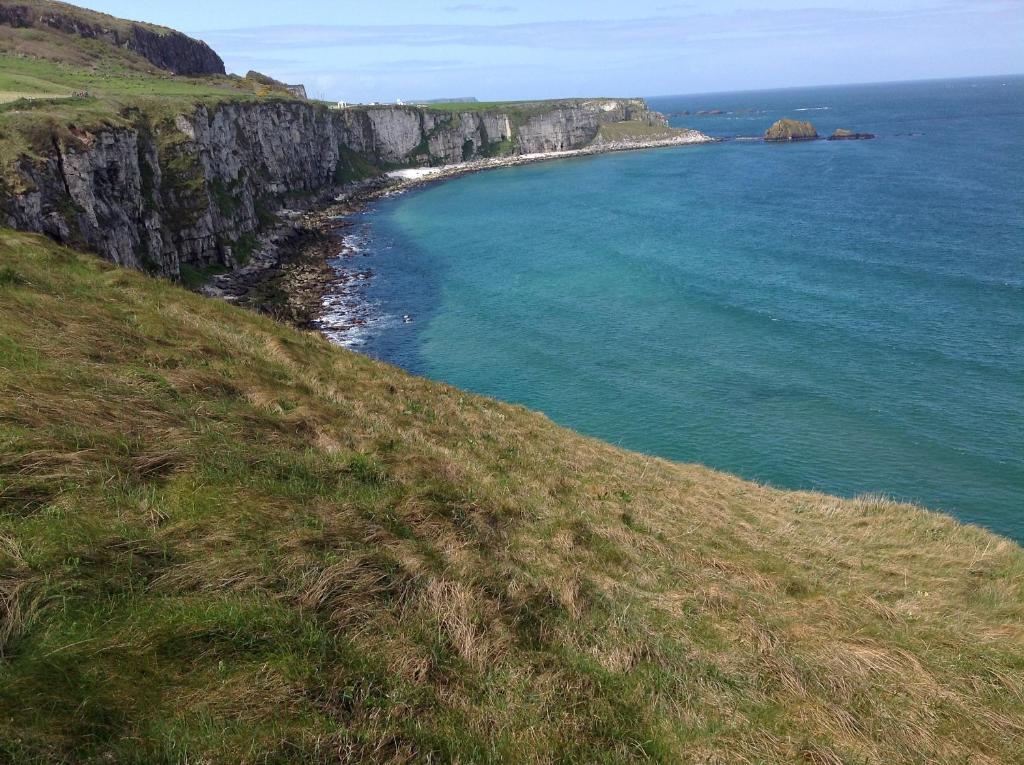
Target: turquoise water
[843, 316]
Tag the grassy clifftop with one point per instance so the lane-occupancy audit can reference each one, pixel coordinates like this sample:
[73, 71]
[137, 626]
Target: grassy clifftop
[86, 17]
[225, 541]
[53, 79]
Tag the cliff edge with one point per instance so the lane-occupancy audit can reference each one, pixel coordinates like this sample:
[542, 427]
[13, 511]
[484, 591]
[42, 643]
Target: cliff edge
[160, 191]
[155, 172]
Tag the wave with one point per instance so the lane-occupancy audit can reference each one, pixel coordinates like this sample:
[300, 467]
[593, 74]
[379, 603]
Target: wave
[813, 109]
[349, 320]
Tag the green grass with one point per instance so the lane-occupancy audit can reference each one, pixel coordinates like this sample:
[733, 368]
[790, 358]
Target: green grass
[226, 541]
[113, 81]
[353, 167]
[193, 278]
[94, 18]
[35, 92]
[636, 130]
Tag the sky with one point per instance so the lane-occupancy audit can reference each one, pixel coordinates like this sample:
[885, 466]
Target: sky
[361, 51]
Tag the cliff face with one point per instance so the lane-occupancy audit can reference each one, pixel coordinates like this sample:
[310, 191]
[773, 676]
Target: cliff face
[188, 191]
[402, 135]
[577, 124]
[164, 48]
[175, 52]
[195, 189]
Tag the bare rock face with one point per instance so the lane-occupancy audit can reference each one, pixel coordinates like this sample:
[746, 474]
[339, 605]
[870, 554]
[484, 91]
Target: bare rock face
[405, 135]
[195, 189]
[408, 135]
[790, 130]
[175, 52]
[577, 124]
[190, 190]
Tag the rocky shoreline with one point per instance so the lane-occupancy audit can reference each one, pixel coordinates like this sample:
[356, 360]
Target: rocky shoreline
[303, 268]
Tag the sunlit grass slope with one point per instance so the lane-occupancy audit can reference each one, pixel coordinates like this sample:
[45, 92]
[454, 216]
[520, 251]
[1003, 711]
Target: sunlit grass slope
[225, 541]
[51, 81]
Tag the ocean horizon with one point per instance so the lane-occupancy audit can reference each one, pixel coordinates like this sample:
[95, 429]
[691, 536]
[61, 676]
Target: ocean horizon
[845, 317]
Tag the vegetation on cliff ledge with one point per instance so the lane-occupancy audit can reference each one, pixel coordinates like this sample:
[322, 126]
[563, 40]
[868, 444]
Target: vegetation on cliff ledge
[637, 130]
[226, 541]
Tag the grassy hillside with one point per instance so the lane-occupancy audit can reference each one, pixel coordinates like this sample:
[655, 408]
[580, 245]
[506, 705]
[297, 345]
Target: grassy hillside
[89, 17]
[225, 541]
[112, 85]
[50, 80]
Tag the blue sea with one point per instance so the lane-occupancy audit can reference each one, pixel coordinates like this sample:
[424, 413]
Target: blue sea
[840, 316]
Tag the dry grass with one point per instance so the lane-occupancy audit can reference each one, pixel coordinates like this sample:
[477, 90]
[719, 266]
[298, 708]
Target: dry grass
[225, 541]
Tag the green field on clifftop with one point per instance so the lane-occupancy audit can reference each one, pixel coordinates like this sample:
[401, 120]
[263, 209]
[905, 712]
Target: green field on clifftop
[50, 80]
[513, 107]
[226, 541]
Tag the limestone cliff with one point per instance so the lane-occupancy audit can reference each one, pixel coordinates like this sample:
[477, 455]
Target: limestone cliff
[405, 135]
[195, 189]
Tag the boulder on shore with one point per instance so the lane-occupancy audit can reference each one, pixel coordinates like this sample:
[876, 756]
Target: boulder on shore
[791, 130]
[842, 134]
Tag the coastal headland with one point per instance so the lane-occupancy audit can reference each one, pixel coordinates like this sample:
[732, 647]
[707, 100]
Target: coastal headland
[187, 188]
[225, 540]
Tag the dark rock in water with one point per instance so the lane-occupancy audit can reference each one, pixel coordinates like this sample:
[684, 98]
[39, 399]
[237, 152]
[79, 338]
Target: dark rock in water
[791, 130]
[843, 134]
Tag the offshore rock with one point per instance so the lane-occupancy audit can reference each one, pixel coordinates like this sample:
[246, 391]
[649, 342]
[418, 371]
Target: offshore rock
[842, 134]
[791, 130]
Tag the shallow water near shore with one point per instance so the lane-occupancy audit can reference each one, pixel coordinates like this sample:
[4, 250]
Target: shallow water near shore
[842, 316]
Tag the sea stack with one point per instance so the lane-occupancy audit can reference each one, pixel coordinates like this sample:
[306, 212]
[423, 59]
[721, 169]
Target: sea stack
[791, 130]
[842, 134]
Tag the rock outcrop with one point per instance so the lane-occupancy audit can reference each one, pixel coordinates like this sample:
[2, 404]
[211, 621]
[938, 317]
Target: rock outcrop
[790, 130]
[270, 84]
[175, 52]
[842, 134]
[164, 48]
[196, 189]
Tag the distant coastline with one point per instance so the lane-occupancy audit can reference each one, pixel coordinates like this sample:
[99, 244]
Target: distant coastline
[410, 177]
[303, 271]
